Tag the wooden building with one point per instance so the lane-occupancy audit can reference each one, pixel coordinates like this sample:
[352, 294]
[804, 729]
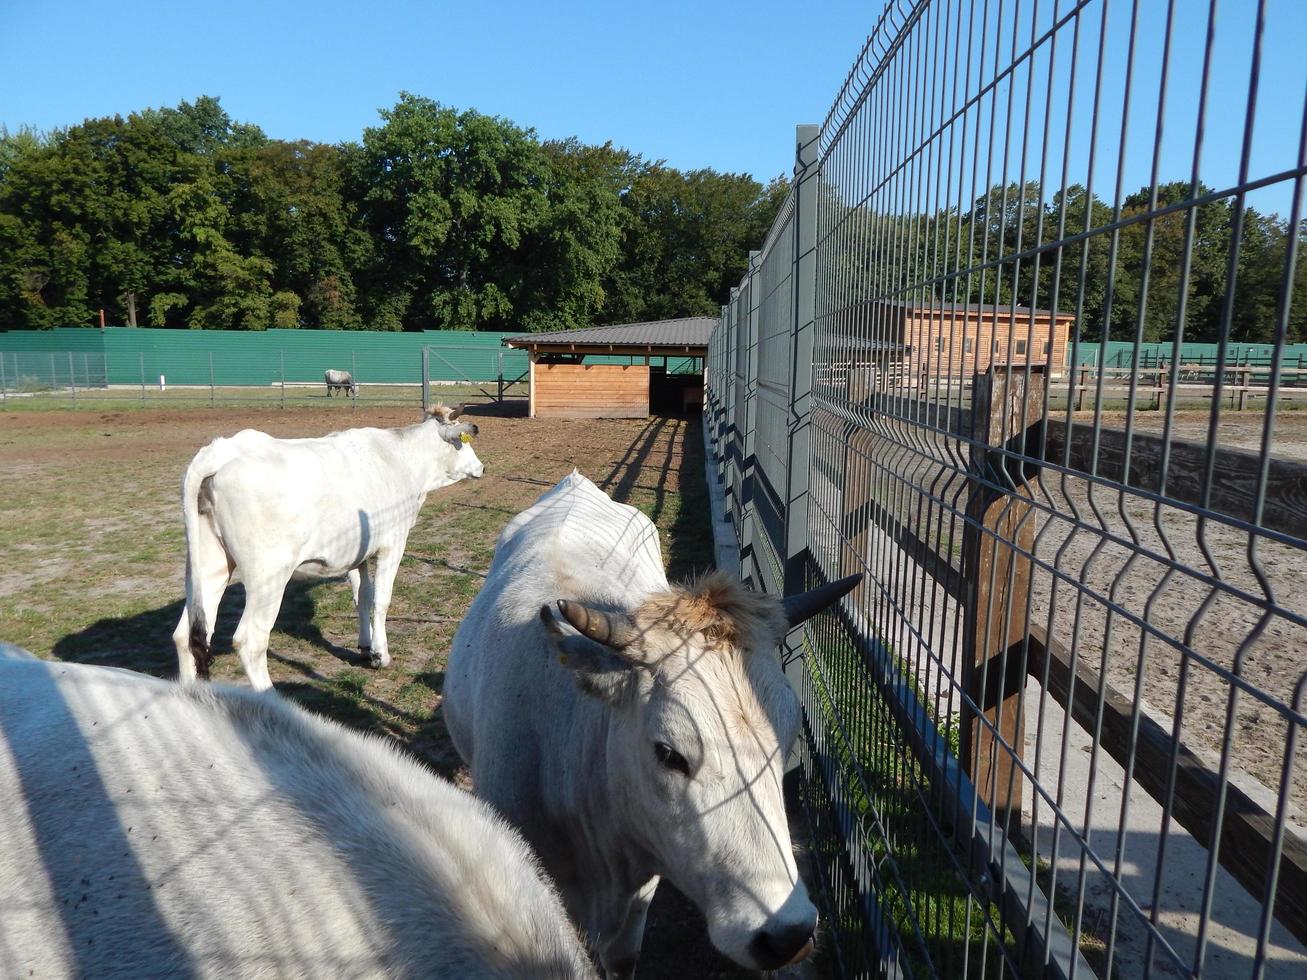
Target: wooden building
[564, 384]
[938, 340]
[962, 340]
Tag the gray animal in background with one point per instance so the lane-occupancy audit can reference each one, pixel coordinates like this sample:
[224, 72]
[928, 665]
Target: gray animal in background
[153, 829]
[632, 729]
[341, 381]
[262, 511]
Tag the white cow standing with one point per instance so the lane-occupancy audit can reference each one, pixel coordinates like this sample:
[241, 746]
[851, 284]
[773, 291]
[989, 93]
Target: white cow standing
[261, 510]
[632, 729]
[150, 829]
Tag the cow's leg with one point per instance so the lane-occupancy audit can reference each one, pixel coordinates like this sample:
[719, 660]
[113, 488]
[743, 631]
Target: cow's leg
[262, 603]
[620, 952]
[214, 577]
[360, 583]
[382, 585]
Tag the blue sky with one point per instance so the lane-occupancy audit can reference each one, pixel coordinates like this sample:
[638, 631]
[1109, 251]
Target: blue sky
[698, 84]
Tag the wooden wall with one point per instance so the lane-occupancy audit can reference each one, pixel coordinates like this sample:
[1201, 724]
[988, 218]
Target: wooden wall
[590, 391]
[959, 345]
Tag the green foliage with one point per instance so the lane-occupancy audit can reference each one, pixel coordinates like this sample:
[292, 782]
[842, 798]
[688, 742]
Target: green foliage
[161, 305]
[448, 219]
[1124, 284]
[285, 309]
[183, 217]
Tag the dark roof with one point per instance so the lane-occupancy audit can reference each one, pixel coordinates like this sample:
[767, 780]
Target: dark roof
[935, 306]
[692, 331]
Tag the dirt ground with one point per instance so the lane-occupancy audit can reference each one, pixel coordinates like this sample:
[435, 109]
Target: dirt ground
[92, 550]
[1206, 586]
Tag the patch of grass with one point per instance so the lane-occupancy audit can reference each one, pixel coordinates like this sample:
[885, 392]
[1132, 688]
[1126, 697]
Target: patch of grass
[350, 684]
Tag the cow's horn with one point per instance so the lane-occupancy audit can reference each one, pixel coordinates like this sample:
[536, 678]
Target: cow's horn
[456, 412]
[802, 607]
[611, 631]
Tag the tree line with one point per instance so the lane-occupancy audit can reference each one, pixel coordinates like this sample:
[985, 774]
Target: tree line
[435, 219]
[1124, 272]
[441, 219]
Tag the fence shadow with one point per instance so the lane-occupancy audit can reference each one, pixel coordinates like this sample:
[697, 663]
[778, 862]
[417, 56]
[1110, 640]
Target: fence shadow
[509, 408]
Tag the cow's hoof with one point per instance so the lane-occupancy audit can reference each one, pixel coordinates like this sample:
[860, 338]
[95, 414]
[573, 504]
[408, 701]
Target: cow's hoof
[378, 659]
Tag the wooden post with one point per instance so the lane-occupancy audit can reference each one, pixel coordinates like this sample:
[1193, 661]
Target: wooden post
[1082, 387]
[1245, 379]
[531, 384]
[997, 541]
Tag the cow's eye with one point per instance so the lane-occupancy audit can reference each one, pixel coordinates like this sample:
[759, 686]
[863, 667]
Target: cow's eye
[670, 758]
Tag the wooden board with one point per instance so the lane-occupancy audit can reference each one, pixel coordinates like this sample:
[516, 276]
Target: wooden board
[591, 391]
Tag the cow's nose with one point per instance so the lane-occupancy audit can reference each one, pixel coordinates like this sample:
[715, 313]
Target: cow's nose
[779, 946]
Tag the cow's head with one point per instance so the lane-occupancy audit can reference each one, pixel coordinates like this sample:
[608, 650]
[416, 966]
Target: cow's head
[701, 720]
[459, 436]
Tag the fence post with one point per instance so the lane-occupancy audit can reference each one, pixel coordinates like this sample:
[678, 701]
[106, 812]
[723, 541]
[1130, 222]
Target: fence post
[799, 455]
[500, 398]
[4, 383]
[283, 379]
[998, 541]
[426, 375]
[211, 379]
[141, 356]
[72, 378]
[749, 336]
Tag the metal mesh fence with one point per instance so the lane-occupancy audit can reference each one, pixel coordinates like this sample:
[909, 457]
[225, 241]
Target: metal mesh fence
[1057, 730]
[234, 376]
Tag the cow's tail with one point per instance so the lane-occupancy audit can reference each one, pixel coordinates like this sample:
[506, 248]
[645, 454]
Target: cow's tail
[195, 494]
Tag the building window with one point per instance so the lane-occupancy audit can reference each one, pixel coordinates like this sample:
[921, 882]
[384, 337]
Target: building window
[1046, 348]
[996, 347]
[1021, 346]
[966, 346]
[939, 345]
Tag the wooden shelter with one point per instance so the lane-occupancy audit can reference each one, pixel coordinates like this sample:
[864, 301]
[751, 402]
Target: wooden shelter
[564, 385]
[964, 339]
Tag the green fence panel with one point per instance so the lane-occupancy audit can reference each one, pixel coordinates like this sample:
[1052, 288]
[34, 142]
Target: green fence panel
[1121, 354]
[199, 357]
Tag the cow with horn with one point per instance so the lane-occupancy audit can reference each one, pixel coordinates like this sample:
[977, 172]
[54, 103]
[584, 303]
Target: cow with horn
[635, 730]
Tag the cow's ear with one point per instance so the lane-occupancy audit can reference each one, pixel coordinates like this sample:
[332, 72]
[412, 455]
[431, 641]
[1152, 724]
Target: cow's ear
[598, 670]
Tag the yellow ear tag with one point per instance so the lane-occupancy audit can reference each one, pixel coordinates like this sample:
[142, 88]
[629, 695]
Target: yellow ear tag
[465, 437]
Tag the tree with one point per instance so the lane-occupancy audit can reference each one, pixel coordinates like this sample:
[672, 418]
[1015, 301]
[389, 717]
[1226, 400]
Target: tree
[687, 239]
[451, 199]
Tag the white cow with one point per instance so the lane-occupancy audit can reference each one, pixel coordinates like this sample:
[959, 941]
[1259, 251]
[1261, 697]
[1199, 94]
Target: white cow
[150, 829]
[341, 381]
[632, 729]
[262, 510]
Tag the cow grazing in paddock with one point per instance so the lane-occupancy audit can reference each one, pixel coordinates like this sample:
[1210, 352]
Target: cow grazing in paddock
[261, 510]
[632, 729]
[341, 381]
[151, 829]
